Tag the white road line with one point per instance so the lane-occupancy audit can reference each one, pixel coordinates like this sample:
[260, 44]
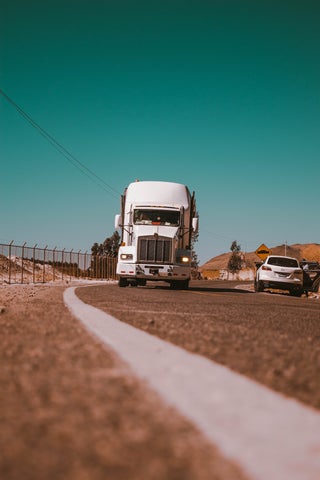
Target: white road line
[270, 436]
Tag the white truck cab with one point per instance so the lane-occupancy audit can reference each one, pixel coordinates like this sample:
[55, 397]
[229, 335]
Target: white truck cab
[157, 221]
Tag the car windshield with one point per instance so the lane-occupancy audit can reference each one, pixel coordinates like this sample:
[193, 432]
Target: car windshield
[156, 217]
[283, 262]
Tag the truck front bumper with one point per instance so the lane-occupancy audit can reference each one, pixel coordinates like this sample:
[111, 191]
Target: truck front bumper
[153, 272]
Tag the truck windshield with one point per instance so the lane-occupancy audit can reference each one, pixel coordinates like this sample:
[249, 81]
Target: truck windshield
[156, 217]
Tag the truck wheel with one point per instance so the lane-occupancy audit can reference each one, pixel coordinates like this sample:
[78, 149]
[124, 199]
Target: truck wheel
[123, 282]
[184, 284]
[179, 285]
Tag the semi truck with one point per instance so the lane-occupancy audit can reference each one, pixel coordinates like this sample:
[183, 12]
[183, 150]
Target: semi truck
[157, 223]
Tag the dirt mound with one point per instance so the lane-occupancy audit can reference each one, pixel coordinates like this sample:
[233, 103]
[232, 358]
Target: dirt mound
[308, 251]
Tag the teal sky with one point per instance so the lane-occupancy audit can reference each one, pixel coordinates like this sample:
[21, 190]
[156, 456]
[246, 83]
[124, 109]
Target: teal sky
[223, 96]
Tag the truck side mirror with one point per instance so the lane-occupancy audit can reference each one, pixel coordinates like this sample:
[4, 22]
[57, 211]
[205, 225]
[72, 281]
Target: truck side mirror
[117, 221]
[195, 224]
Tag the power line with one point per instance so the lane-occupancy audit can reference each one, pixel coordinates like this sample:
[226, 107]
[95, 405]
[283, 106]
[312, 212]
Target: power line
[62, 150]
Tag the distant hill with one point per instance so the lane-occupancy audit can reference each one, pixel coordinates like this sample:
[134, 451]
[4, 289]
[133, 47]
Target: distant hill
[309, 251]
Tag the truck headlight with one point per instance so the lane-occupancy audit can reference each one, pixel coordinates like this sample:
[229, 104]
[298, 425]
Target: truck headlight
[126, 256]
[183, 259]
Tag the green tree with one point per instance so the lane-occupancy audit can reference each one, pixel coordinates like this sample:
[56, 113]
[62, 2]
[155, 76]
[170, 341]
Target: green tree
[96, 248]
[109, 247]
[235, 260]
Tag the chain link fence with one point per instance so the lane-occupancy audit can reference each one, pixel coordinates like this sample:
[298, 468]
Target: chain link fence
[25, 264]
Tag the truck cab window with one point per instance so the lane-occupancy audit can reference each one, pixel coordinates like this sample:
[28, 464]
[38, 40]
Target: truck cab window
[156, 217]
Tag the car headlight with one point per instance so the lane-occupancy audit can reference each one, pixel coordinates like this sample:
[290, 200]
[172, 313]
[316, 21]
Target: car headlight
[126, 256]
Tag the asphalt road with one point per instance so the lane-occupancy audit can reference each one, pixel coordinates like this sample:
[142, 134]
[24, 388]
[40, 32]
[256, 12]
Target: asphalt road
[71, 410]
[271, 338]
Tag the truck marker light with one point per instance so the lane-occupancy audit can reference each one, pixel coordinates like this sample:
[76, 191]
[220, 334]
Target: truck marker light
[126, 256]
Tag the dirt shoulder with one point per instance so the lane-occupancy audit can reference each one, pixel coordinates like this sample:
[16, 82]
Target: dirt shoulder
[71, 410]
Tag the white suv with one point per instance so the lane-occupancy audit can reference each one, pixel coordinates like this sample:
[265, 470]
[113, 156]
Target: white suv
[282, 273]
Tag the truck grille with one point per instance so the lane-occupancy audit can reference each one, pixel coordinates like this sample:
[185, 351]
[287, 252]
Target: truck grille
[154, 250]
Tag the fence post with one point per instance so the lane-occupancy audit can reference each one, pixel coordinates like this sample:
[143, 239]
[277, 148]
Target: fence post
[44, 264]
[62, 263]
[22, 254]
[70, 269]
[78, 266]
[53, 263]
[34, 263]
[10, 260]
[85, 263]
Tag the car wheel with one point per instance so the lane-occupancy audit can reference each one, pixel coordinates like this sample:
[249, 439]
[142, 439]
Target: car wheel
[296, 292]
[258, 286]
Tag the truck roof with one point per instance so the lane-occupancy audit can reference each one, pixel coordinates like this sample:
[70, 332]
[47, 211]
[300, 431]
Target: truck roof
[166, 194]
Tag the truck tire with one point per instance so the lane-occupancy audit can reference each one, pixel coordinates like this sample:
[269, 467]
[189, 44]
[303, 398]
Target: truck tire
[123, 282]
[179, 285]
[184, 284]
